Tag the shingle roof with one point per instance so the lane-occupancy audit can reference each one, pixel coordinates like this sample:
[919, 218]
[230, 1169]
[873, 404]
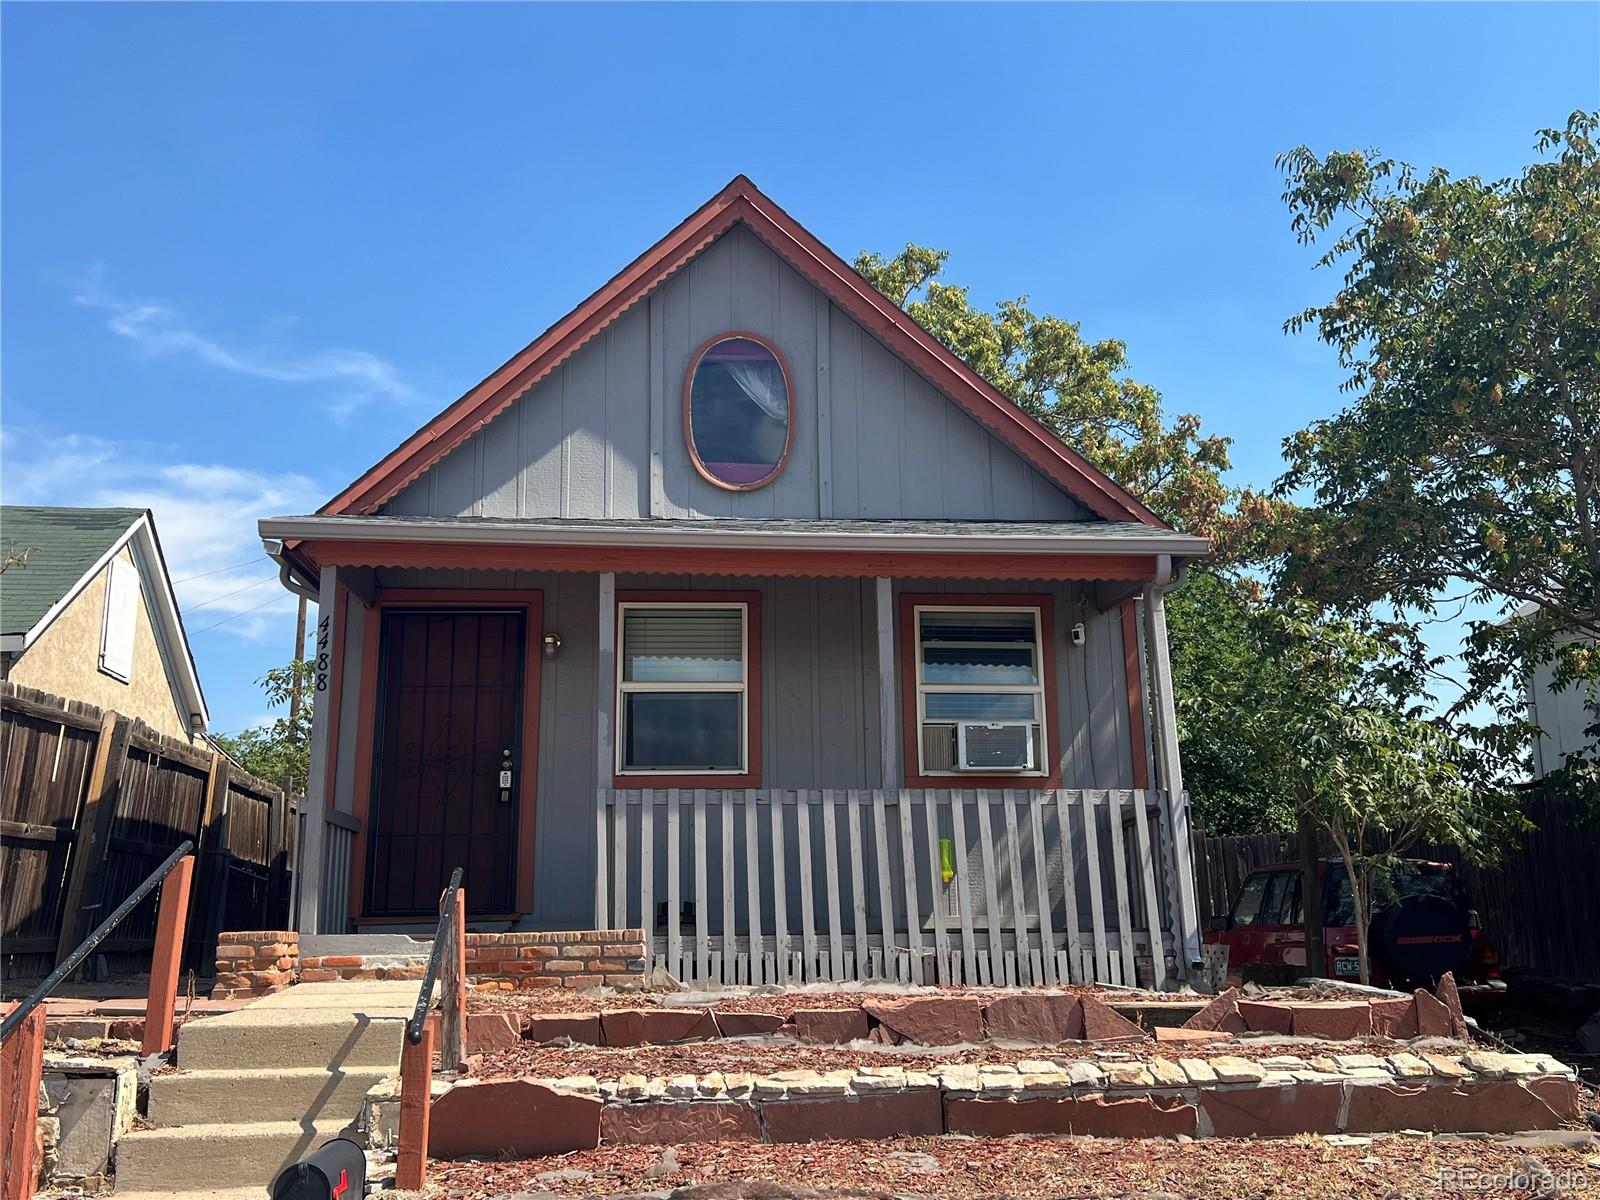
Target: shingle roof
[65, 543]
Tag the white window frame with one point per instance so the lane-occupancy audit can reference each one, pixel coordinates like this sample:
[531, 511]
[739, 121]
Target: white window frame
[626, 686]
[1036, 689]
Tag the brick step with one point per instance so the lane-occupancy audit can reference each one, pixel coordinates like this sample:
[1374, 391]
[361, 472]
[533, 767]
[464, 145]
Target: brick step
[200, 1158]
[314, 1093]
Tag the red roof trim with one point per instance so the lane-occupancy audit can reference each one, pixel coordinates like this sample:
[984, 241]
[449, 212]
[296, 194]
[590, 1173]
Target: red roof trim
[742, 201]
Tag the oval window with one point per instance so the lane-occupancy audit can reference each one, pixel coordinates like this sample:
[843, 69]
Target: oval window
[737, 411]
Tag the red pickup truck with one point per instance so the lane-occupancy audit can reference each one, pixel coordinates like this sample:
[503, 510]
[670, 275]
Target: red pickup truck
[1423, 925]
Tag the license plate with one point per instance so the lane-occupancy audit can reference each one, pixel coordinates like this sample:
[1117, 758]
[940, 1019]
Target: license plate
[1346, 965]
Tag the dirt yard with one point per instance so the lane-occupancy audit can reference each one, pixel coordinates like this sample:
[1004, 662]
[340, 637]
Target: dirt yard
[1306, 1168]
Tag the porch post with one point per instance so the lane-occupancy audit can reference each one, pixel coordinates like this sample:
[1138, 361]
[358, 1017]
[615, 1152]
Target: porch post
[308, 880]
[605, 676]
[1164, 719]
[888, 724]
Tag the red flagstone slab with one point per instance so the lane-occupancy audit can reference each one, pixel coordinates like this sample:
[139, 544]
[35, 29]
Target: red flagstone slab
[1042, 1017]
[1265, 1016]
[516, 1117]
[1450, 997]
[491, 1031]
[1433, 1018]
[1222, 1013]
[583, 1028]
[1338, 1019]
[1102, 1023]
[1503, 1106]
[669, 1124]
[1395, 1018]
[1273, 1111]
[658, 1026]
[742, 1024]
[1179, 1034]
[1093, 1116]
[893, 1114]
[835, 1025]
[930, 1020]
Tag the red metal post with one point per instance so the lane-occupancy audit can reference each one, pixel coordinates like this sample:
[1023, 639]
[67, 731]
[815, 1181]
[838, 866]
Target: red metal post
[416, 1083]
[171, 920]
[21, 1065]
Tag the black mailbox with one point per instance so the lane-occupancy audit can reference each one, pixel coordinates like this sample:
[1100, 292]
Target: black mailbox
[338, 1171]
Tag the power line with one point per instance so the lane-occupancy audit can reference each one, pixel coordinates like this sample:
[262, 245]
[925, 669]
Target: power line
[236, 591]
[204, 574]
[237, 615]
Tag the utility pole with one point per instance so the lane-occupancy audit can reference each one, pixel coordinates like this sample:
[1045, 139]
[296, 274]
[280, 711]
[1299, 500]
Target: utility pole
[294, 686]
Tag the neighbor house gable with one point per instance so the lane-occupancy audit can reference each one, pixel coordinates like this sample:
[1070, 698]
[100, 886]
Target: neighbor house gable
[892, 400]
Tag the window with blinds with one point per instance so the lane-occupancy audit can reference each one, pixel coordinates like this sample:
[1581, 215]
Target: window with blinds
[682, 689]
[979, 668]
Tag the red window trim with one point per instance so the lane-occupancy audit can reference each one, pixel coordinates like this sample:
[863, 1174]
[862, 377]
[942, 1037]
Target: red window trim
[911, 735]
[688, 424]
[753, 727]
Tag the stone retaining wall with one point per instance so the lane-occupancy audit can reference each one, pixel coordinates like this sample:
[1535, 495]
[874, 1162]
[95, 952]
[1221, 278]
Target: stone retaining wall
[256, 962]
[1113, 1095]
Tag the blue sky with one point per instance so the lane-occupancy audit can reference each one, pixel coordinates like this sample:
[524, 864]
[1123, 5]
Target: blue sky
[248, 248]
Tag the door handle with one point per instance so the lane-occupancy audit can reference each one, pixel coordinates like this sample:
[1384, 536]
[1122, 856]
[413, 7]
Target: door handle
[505, 776]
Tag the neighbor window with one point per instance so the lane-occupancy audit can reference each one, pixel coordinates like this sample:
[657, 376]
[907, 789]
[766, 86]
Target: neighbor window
[980, 691]
[737, 412]
[683, 688]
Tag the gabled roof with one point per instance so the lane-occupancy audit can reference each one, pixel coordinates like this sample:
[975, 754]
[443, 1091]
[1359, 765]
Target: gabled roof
[63, 545]
[742, 202]
[67, 548]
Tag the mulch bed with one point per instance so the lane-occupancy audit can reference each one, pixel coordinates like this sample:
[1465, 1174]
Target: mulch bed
[1306, 1168]
[764, 1057]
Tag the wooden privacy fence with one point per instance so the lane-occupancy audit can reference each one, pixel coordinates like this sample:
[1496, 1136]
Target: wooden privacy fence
[960, 886]
[1540, 904]
[92, 801]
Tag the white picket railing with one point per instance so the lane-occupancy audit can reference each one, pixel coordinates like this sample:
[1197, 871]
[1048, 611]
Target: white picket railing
[958, 886]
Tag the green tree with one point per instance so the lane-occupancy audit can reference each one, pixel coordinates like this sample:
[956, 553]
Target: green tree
[280, 751]
[1334, 718]
[1468, 464]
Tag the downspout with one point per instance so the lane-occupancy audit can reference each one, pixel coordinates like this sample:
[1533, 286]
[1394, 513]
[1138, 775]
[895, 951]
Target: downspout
[286, 573]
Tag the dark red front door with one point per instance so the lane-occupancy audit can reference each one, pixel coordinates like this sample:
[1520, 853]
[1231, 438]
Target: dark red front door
[448, 722]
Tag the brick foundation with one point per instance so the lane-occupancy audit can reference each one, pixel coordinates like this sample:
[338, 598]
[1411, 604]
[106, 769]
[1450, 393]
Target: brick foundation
[256, 962]
[584, 958]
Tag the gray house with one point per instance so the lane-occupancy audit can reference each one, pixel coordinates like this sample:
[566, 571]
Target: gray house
[738, 608]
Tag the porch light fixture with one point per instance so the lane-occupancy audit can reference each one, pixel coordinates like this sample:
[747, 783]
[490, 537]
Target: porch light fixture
[552, 643]
[1076, 633]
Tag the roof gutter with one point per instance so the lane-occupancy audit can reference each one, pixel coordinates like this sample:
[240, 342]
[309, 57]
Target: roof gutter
[276, 530]
[286, 571]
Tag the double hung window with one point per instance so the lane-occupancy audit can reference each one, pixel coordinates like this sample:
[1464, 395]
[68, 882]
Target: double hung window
[683, 688]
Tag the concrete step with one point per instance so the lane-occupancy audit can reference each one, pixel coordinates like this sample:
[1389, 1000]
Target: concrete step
[198, 1097]
[201, 1158]
[261, 1038]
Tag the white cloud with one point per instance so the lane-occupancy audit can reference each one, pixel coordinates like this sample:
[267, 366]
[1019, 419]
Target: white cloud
[205, 515]
[159, 330]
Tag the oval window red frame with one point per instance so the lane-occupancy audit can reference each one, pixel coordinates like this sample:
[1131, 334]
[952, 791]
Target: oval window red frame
[688, 424]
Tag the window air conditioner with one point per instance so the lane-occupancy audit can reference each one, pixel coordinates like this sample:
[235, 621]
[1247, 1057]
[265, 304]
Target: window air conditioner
[994, 746]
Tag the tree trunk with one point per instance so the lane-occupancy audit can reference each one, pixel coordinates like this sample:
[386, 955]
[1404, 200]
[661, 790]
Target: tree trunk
[1311, 895]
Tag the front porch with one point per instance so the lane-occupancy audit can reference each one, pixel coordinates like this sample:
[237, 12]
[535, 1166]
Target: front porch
[783, 768]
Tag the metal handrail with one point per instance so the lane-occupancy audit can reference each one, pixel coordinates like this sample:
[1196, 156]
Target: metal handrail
[88, 945]
[419, 1015]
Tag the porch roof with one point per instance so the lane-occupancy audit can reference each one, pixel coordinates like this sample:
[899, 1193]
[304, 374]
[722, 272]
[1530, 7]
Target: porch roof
[1097, 550]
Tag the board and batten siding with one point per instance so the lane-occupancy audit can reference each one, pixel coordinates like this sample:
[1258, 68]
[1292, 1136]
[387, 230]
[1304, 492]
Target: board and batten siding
[820, 714]
[602, 436]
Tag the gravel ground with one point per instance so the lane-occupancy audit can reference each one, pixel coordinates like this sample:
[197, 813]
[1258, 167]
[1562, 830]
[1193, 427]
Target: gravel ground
[1306, 1168]
[758, 1057]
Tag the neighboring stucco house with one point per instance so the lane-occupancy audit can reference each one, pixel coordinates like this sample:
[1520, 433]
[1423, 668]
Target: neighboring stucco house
[1564, 717]
[736, 606]
[89, 614]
